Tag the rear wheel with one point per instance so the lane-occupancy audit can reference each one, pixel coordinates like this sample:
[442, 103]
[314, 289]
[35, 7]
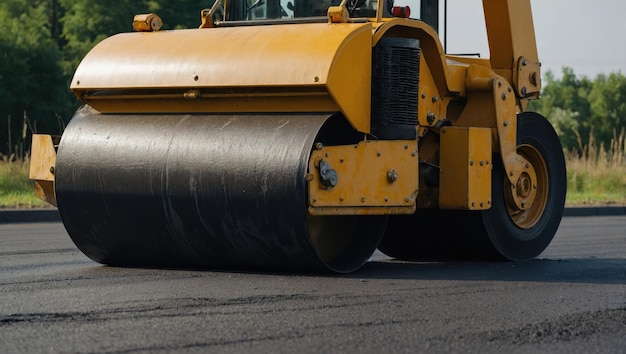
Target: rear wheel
[504, 231]
[523, 234]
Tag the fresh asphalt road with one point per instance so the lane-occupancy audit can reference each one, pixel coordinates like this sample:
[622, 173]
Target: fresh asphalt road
[571, 299]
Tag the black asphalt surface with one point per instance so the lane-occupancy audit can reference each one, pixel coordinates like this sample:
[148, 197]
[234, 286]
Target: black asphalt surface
[52, 214]
[571, 299]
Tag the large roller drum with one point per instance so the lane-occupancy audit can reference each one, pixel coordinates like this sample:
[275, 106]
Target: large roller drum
[205, 191]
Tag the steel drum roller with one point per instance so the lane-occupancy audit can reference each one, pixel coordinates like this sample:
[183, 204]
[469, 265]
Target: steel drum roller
[207, 191]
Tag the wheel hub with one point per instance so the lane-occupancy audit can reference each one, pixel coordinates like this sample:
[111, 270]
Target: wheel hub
[522, 194]
[527, 197]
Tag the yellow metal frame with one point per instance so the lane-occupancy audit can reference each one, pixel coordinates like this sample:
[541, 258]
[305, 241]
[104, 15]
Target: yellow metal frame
[465, 171]
[373, 177]
[512, 45]
[326, 67]
[491, 103]
[42, 165]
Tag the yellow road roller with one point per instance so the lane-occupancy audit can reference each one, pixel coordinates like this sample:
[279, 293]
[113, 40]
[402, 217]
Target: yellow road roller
[301, 136]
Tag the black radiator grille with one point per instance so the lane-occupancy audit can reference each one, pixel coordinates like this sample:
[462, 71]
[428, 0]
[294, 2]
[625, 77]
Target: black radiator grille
[395, 84]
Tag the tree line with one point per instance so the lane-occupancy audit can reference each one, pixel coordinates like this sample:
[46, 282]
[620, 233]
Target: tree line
[582, 110]
[43, 41]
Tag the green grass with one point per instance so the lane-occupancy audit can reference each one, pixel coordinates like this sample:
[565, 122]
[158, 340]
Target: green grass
[598, 176]
[16, 190]
[588, 185]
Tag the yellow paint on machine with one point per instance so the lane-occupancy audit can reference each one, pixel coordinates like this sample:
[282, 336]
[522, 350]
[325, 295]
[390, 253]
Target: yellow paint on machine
[313, 67]
[42, 165]
[373, 177]
[465, 171]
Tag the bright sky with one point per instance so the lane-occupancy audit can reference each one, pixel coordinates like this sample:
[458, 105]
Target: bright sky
[586, 35]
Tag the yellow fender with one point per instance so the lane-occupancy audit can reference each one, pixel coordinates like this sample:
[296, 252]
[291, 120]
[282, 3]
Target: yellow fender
[314, 67]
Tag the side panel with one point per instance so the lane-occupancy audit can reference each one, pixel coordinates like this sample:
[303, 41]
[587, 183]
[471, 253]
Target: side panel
[371, 177]
[465, 174]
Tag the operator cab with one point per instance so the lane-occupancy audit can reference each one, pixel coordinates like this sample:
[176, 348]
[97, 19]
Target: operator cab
[247, 10]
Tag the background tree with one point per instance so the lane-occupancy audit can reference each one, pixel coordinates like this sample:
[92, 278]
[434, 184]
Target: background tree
[31, 81]
[608, 106]
[87, 22]
[581, 109]
[42, 43]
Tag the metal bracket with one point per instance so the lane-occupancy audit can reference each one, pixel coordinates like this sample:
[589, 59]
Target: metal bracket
[43, 164]
[528, 78]
[506, 125]
[339, 14]
[328, 176]
[519, 171]
[207, 15]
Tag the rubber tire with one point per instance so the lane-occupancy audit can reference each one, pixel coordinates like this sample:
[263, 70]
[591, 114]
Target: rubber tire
[508, 239]
[441, 235]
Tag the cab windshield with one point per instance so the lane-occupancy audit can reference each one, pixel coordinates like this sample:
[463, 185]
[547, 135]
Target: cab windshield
[246, 10]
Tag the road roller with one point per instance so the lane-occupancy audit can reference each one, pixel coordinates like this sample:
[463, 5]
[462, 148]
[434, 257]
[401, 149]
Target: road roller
[302, 136]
